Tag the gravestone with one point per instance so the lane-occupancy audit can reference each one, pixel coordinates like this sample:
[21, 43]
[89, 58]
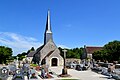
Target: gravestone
[17, 63]
[17, 71]
[4, 72]
[12, 67]
[25, 68]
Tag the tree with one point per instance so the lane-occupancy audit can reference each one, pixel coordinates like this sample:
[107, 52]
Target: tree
[100, 55]
[112, 50]
[72, 53]
[61, 52]
[5, 53]
[32, 49]
[21, 56]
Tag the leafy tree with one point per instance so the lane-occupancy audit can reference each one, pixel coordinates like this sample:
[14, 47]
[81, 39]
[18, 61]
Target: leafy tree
[32, 49]
[5, 53]
[100, 55]
[72, 53]
[78, 52]
[61, 52]
[110, 52]
[21, 56]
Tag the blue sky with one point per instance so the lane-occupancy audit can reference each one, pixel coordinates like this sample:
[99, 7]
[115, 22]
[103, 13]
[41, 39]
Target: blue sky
[74, 23]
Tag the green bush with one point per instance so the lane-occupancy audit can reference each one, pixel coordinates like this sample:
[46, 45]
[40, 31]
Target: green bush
[33, 77]
[34, 65]
[18, 77]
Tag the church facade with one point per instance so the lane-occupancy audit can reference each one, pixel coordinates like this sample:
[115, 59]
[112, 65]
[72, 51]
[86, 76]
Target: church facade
[48, 53]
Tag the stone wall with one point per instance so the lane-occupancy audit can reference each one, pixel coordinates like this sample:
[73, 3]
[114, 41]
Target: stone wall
[73, 60]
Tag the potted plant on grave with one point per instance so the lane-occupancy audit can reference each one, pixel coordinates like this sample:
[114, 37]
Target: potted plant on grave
[33, 76]
[18, 77]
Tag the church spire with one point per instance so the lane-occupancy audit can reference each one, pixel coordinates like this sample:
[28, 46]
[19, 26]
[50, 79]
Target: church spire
[48, 32]
[48, 24]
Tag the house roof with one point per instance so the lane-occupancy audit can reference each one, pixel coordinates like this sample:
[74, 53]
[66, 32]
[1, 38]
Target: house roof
[30, 54]
[91, 49]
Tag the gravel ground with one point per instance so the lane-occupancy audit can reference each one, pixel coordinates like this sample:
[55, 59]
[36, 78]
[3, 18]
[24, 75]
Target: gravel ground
[80, 75]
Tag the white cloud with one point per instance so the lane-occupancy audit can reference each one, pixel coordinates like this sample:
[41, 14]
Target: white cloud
[63, 46]
[20, 43]
[17, 42]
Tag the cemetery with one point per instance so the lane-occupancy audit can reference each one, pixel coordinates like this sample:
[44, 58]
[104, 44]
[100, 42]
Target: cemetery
[27, 72]
[50, 62]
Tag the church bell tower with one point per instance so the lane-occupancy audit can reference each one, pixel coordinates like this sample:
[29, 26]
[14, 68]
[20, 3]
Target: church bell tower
[48, 32]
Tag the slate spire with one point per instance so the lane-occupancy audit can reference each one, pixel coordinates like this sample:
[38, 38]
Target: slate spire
[48, 31]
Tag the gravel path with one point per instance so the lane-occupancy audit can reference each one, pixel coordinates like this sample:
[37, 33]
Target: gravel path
[80, 75]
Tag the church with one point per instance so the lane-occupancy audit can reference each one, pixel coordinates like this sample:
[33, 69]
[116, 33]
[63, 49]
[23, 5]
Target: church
[48, 53]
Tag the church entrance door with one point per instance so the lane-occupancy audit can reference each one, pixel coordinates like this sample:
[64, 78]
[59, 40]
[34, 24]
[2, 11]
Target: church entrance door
[54, 61]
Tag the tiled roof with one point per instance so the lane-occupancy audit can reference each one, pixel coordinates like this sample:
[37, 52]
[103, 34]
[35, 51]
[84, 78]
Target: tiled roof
[91, 50]
[30, 54]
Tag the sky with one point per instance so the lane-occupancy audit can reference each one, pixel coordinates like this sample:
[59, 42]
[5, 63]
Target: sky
[74, 23]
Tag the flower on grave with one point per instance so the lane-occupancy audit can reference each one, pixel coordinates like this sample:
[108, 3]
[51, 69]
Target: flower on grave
[33, 74]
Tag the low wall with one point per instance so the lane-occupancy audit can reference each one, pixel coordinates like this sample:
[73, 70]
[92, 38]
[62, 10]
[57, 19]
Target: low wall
[73, 60]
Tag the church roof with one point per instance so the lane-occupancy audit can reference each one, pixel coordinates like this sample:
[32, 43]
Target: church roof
[91, 49]
[30, 54]
[38, 49]
[49, 53]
